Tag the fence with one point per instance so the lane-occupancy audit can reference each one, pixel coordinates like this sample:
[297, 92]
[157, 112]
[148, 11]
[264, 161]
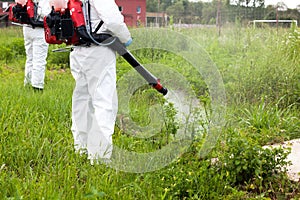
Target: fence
[221, 14]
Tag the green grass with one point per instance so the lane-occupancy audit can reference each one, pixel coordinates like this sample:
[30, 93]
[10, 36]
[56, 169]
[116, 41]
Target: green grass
[37, 160]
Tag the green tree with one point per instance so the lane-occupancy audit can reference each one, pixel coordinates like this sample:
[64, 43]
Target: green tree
[152, 5]
[209, 12]
[176, 10]
[158, 5]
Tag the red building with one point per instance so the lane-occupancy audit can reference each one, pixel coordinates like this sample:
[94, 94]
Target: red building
[134, 12]
[3, 14]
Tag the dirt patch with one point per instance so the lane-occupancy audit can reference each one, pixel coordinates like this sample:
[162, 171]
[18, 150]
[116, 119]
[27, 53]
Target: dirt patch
[294, 157]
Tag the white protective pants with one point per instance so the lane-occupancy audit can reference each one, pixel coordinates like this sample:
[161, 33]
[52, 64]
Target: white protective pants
[36, 54]
[94, 101]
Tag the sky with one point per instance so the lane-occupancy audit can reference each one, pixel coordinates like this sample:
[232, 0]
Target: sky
[290, 3]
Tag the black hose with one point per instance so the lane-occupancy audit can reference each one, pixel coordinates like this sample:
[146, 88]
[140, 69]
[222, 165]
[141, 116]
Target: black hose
[36, 23]
[83, 35]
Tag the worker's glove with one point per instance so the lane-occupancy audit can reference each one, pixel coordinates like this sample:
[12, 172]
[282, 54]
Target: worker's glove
[128, 42]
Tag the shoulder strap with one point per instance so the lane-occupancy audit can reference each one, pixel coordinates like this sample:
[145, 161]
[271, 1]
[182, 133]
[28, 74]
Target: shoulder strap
[99, 26]
[100, 23]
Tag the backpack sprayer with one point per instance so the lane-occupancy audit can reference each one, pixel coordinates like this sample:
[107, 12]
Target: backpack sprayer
[69, 23]
[24, 12]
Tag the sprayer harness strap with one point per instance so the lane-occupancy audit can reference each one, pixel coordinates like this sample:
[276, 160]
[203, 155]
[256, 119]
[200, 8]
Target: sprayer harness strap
[100, 23]
[99, 26]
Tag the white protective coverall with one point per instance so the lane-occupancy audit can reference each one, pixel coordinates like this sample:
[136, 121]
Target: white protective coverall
[94, 101]
[36, 49]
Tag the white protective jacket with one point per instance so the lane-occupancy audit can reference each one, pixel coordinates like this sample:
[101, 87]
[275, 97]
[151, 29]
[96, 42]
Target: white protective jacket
[94, 101]
[108, 12]
[36, 49]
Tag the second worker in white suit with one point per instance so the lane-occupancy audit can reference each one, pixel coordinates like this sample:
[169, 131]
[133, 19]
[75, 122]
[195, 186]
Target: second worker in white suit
[94, 101]
[36, 48]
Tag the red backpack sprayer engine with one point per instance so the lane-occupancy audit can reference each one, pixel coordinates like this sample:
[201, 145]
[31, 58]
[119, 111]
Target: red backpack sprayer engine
[24, 12]
[69, 23]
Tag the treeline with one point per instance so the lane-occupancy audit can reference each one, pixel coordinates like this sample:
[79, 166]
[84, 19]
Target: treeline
[221, 11]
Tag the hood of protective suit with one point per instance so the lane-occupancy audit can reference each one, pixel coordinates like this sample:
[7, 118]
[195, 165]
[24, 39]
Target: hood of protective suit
[22, 2]
[59, 4]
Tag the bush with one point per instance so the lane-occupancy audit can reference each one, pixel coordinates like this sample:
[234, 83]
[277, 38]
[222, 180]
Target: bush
[17, 47]
[5, 54]
[13, 51]
[190, 178]
[251, 167]
[58, 60]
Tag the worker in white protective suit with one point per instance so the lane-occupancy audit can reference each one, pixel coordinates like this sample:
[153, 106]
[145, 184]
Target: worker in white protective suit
[36, 49]
[94, 101]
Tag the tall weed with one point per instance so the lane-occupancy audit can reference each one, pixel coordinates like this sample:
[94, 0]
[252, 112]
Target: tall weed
[254, 63]
[291, 45]
[269, 123]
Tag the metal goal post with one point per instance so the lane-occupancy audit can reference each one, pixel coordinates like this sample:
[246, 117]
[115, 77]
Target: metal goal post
[275, 21]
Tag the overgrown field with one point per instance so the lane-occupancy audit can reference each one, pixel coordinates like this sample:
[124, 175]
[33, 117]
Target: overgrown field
[260, 69]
